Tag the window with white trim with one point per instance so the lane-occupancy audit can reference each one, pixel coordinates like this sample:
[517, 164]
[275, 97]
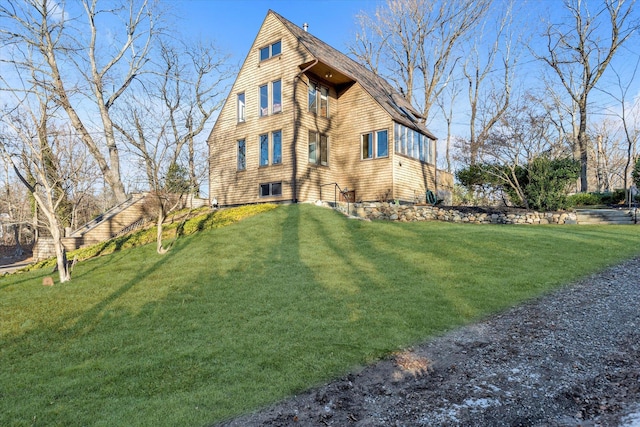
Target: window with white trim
[374, 145]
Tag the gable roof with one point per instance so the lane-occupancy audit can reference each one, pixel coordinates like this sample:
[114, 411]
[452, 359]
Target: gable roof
[378, 88]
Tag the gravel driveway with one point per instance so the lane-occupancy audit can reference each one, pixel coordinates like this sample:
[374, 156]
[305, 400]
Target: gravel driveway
[571, 358]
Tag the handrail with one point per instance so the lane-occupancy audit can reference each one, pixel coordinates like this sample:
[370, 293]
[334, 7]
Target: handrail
[109, 213]
[335, 194]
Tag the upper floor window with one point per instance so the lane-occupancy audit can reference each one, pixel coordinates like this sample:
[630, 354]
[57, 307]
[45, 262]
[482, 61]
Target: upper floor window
[276, 147]
[413, 144]
[273, 99]
[374, 144]
[276, 96]
[241, 107]
[318, 99]
[366, 144]
[271, 151]
[264, 150]
[264, 100]
[271, 50]
[242, 155]
[318, 149]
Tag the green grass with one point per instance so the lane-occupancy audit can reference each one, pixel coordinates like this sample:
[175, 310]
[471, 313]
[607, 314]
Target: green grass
[237, 317]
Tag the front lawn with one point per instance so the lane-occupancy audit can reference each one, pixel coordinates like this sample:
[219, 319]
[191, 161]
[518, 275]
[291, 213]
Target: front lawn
[237, 317]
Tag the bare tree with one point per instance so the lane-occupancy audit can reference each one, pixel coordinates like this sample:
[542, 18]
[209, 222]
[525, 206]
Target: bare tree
[16, 203]
[82, 63]
[488, 105]
[579, 53]
[39, 154]
[414, 43]
[166, 121]
[629, 115]
[446, 103]
[192, 89]
[521, 135]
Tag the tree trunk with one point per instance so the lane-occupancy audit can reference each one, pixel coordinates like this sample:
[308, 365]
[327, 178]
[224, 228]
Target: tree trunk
[583, 145]
[161, 250]
[61, 260]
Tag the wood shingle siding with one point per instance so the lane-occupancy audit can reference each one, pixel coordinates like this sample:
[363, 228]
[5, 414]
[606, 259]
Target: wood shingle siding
[358, 102]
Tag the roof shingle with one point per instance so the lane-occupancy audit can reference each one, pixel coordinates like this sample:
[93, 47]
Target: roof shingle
[378, 88]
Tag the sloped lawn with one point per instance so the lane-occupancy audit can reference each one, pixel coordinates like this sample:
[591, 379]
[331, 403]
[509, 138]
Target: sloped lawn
[237, 317]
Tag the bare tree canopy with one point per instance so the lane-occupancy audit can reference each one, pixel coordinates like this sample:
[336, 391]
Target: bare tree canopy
[580, 50]
[43, 156]
[159, 127]
[629, 116]
[413, 43]
[86, 57]
[490, 50]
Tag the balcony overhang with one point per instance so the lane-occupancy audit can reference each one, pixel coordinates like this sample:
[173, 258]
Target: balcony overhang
[328, 74]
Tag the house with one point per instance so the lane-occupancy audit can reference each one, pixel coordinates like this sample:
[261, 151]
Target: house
[303, 122]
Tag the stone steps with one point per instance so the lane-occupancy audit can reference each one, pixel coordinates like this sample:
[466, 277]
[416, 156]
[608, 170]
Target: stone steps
[604, 216]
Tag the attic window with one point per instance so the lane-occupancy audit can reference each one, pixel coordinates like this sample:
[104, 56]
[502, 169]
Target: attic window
[270, 51]
[408, 114]
[402, 110]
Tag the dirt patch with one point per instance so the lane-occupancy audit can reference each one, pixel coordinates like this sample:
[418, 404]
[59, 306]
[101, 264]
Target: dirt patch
[571, 358]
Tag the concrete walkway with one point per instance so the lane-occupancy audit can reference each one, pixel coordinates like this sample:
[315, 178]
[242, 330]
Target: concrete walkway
[9, 265]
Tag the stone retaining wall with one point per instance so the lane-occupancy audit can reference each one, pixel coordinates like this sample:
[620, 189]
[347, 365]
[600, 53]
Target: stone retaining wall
[409, 213]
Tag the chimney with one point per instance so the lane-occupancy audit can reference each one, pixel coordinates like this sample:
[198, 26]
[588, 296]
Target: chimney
[305, 27]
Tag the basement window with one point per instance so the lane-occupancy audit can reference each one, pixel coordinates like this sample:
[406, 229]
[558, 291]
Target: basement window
[271, 189]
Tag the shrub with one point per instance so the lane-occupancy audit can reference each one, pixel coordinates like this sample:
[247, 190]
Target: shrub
[635, 173]
[617, 196]
[541, 185]
[584, 199]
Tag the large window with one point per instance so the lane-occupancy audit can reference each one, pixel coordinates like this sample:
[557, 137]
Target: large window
[275, 101]
[270, 51]
[366, 142]
[374, 144]
[241, 107]
[264, 100]
[318, 149]
[271, 189]
[242, 155]
[264, 150]
[382, 143]
[276, 97]
[413, 144]
[276, 147]
[275, 151]
[318, 99]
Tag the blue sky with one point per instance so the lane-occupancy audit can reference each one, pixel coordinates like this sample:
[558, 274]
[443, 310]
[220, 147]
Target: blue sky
[233, 24]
